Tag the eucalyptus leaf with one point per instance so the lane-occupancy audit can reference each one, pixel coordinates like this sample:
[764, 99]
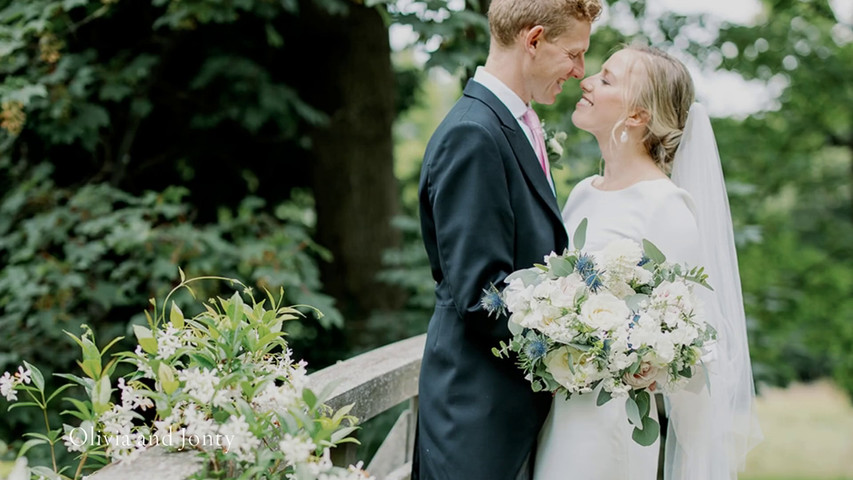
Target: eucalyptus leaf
[643, 402]
[528, 276]
[514, 328]
[580, 346]
[633, 411]
[633, 301]
[579, 238]
[561, 267]
[653, 252]
[570, 361]
[649, 432]
[603, 397]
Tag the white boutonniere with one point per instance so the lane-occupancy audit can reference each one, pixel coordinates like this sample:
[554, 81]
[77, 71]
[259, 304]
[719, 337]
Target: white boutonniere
[554, 140]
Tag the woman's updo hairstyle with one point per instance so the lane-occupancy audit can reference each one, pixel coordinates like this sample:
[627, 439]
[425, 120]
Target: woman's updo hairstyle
[665, 93]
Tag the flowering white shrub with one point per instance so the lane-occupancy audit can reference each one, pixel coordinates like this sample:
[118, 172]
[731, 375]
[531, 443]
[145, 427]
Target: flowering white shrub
[223, 383]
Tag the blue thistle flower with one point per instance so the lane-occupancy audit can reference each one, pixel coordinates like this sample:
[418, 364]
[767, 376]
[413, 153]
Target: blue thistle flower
[593, 280]
[644, 260]
[536, 349]
[585, 265]
[492, 301]
[634, 321]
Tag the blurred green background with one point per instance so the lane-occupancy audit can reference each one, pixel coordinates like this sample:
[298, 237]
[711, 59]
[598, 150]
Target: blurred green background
[280, 141]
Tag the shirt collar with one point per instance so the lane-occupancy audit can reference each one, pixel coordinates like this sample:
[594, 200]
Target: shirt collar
[513, 102]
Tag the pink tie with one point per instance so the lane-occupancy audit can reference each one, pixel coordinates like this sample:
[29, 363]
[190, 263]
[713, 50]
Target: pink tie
[532, 121]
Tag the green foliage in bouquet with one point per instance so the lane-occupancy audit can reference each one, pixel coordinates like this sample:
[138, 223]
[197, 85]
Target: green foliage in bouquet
[222, 382]
[624, 320]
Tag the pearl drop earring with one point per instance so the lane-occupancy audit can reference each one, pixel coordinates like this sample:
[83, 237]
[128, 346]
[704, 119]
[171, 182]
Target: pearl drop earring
[624, 137]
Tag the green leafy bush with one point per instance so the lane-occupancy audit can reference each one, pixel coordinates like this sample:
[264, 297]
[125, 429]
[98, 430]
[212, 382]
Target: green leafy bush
[93, 254]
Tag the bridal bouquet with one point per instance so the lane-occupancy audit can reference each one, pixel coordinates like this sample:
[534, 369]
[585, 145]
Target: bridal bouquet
[623, 318]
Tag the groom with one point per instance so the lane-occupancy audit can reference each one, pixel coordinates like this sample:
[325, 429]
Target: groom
[488, 208]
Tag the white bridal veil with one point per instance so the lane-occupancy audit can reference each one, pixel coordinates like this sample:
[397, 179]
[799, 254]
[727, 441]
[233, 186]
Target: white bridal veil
[711, 431]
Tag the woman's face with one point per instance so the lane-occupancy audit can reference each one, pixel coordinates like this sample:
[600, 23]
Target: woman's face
[602, 104]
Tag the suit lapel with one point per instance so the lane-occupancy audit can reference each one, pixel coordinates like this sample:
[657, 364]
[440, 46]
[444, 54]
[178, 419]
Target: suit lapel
[524, 154]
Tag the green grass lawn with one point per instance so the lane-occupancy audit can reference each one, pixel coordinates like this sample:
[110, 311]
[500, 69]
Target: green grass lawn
[808, 435]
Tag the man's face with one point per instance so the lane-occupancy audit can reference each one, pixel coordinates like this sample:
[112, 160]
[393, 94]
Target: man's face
[557, 60]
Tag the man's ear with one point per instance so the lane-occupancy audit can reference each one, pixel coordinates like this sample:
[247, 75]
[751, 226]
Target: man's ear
[531, 38]
[638, 119]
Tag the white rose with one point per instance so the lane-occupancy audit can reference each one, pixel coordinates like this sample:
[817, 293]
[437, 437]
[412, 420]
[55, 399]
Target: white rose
[566, 291]
[645, 377]
[557, 362]
[605, 312]
[545, 314]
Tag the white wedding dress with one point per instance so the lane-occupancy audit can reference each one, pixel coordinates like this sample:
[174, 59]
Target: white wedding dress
[582, 441]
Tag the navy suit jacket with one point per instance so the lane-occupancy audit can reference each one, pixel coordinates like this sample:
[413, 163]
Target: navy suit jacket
[487, 210]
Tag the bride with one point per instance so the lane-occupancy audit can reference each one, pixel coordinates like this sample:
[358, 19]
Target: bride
[640, 109]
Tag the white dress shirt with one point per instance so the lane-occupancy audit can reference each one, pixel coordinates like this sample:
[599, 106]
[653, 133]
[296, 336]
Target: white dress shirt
[516, 107]
[513, 102]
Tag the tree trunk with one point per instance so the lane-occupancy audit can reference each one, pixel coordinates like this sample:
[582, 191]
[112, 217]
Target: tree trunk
[354, 185]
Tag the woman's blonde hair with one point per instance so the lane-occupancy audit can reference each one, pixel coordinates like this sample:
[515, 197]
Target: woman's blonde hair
[665, 94]
[508, 17]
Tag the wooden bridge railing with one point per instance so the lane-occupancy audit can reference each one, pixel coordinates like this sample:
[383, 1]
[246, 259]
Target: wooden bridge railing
[374, 382]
